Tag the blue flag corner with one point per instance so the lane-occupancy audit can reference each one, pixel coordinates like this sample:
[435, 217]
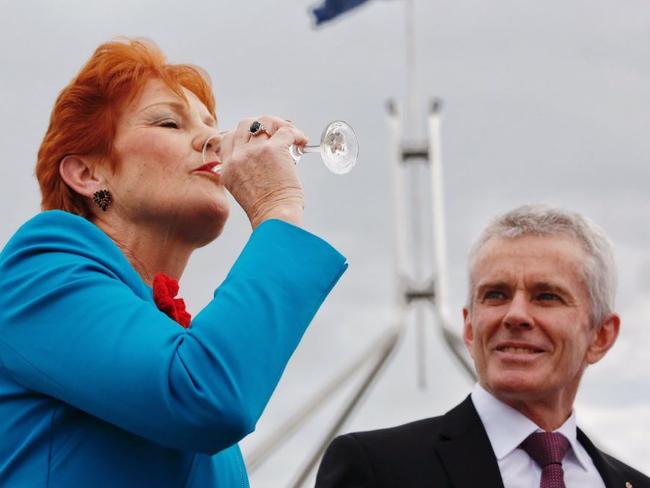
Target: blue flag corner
[333, 8]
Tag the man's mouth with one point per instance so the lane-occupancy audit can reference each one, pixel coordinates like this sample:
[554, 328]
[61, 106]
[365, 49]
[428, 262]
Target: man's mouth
[518, 349]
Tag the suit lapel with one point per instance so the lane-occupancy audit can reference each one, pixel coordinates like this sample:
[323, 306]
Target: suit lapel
[611, 475]
[465, 450]
[469, 460]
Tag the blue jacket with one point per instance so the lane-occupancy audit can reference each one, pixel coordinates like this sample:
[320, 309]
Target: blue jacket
[98, 388]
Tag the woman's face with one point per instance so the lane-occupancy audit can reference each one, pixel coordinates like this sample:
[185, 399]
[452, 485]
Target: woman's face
[160, 178]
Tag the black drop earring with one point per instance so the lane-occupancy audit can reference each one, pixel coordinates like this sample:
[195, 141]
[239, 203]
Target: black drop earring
[103, 199]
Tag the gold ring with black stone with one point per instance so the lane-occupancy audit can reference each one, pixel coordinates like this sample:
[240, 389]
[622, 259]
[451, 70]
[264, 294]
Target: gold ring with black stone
[257, 128]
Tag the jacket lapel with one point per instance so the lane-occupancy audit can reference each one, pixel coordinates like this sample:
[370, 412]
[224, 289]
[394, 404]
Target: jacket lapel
[609, 472]
[469, 460]
[465, 450]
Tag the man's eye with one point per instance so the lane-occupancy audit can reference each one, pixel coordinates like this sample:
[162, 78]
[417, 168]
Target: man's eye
[494, 295]
[547, 297]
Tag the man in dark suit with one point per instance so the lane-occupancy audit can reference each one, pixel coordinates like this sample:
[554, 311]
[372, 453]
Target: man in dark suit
[540, 310]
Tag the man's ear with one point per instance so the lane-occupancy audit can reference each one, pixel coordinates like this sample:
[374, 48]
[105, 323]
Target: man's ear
[78, 173]
[605, 335]
[468, 330]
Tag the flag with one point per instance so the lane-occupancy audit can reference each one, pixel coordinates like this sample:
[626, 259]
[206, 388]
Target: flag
[332, 8]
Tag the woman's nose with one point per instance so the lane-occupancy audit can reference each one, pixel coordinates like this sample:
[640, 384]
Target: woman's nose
[208, 144]
[519, 314]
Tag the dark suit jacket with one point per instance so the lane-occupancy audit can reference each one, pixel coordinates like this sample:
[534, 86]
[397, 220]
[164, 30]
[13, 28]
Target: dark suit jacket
[441, 452]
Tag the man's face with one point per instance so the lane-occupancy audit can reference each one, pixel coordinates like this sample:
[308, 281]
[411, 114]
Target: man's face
[528, 329]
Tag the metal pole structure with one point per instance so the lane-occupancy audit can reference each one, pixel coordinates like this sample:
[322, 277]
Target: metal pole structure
[440, 305]
[257, 456]
[414, 131]
[412, 104]
[399, 199]
[351, 405]
[437, 206]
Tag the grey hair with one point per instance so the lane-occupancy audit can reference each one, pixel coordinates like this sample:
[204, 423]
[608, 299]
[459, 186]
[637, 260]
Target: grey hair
[599, 269]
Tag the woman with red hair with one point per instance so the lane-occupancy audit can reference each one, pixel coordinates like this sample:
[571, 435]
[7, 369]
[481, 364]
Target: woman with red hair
[105, 380]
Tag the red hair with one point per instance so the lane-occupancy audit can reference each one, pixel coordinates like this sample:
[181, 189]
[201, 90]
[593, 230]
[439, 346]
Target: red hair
[84, 118]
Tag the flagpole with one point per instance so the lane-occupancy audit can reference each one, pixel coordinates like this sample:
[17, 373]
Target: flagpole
[412, 126]
[412, 137]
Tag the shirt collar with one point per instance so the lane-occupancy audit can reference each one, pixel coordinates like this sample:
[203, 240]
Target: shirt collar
[507, 428]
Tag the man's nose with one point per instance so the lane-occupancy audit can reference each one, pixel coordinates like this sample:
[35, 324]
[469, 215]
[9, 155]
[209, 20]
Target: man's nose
[518, 314]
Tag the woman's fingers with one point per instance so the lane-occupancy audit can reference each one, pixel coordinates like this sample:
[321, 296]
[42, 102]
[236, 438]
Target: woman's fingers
[271, 125]
[259, 171]
[288, 135]
[242, 133]
[241, 137]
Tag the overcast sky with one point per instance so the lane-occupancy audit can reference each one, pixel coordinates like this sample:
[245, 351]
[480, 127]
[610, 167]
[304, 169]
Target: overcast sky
[543, 101]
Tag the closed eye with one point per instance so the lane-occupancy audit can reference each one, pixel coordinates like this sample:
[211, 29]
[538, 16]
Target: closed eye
[169, 124]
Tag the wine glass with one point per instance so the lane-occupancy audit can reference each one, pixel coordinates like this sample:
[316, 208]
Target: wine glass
[338, 148]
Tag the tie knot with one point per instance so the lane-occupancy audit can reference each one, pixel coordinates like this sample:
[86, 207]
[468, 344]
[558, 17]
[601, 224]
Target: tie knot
[546, 447]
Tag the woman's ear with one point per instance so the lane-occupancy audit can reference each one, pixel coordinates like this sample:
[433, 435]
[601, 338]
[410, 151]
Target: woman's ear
[78, 173]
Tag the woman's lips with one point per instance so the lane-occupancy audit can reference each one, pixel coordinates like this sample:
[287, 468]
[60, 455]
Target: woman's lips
[211, 167]
[210, 170]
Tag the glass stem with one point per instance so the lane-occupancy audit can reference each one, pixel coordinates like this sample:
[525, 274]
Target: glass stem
[310, 149]
[297, 151]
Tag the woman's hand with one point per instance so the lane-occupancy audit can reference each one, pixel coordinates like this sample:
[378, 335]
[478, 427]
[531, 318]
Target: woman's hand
[260, 173]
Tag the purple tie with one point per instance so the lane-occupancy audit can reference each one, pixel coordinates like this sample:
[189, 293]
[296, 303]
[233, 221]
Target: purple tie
[547, 449]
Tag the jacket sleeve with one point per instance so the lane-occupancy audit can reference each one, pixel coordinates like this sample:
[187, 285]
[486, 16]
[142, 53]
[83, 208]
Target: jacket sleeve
[72, 329]
[345, 465]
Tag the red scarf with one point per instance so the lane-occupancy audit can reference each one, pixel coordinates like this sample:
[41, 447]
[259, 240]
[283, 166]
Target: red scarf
[164, 293]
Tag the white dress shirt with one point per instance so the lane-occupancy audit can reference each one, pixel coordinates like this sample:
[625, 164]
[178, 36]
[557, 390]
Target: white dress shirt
[507, 428]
